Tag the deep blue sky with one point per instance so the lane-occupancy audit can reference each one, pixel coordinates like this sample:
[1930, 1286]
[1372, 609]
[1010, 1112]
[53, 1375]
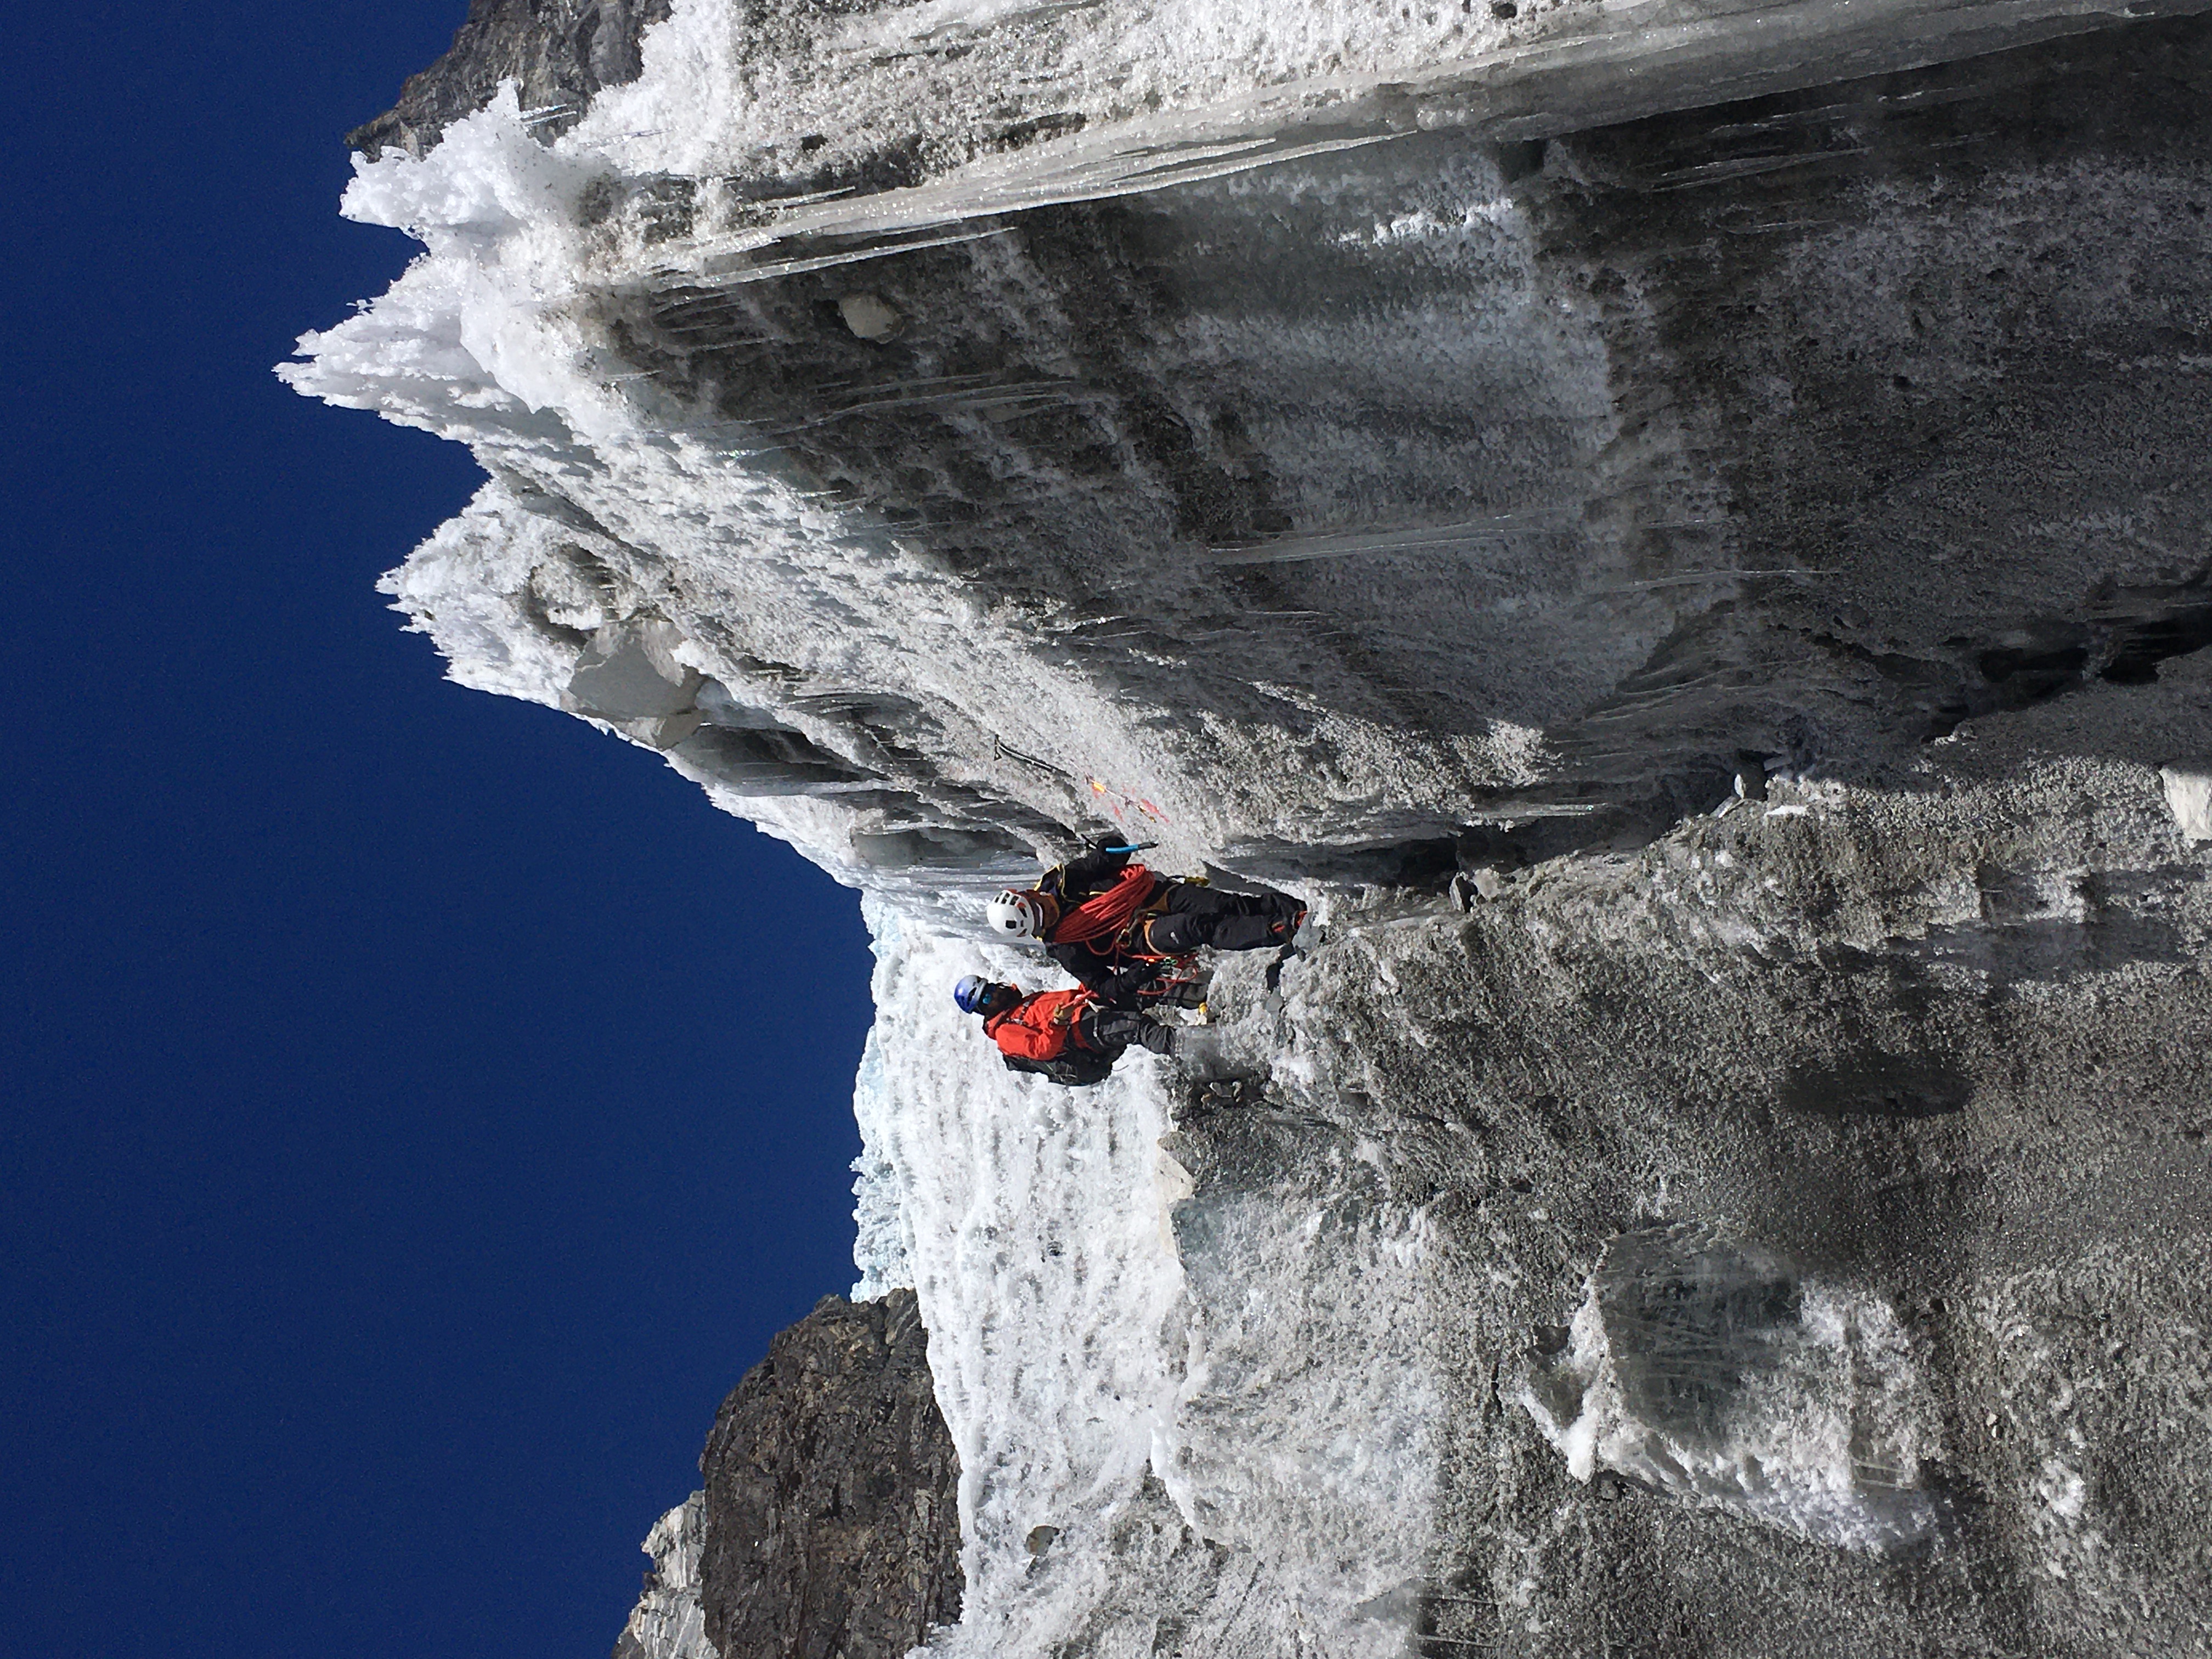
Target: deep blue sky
[419, 1108]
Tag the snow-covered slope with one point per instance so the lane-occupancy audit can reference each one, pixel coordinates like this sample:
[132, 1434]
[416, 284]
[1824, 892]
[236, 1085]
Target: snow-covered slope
[1318, 441]
[1117, 1353]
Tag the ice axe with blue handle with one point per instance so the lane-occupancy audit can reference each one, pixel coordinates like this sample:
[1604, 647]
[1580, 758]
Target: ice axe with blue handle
[1133, 846]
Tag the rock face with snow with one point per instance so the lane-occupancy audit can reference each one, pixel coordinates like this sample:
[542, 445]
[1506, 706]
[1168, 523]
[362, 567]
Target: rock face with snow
[669, 1621]
[827, 1524]
[1726, 482]
[558, 53]
[828, 1519]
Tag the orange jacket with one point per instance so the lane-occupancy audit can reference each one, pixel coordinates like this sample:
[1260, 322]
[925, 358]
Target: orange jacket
[1043, 1026]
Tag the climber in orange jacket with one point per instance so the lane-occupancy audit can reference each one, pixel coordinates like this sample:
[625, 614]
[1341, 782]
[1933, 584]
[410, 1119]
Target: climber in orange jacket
[1116, 925]
[1069, 1036]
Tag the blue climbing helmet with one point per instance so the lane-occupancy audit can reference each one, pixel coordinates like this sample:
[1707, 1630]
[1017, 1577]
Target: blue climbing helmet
[973, 994]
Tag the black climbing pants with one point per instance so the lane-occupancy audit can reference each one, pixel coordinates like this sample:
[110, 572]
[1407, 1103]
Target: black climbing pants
[1198, 917]
[1109, 1030]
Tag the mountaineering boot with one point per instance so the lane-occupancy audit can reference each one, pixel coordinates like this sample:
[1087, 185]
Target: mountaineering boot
[1229, 1091]
[1182, 993]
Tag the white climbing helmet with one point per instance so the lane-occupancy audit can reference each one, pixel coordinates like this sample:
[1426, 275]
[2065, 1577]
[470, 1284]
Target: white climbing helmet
[1016, 915]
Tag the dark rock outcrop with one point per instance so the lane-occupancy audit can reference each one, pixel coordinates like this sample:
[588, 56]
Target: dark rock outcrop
[831, 1522]
[560, 51]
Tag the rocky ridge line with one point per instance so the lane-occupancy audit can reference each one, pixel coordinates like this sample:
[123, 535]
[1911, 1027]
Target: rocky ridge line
[828, 1524]
[560, 51]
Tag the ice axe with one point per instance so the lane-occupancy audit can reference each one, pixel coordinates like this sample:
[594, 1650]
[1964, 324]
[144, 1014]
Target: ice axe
[1133, 846]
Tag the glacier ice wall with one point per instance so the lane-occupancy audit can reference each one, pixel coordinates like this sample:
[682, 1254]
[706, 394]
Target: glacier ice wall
[1127, 506]
[1749, 455]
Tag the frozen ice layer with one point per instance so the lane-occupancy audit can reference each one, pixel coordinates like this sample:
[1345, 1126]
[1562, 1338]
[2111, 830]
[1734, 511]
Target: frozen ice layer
[1716, 1373]
[2188, 796]
[1141, 1362]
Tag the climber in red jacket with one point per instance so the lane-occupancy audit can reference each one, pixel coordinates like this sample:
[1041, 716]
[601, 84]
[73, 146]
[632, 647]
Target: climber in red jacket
[1117, 926]
[1069, 1036]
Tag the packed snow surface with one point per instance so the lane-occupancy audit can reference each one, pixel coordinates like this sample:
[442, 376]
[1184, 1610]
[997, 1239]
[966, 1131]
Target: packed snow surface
[1099, 1324]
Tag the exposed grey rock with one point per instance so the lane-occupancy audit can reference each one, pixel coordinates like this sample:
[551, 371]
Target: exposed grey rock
[869, 316]
[831, 1515]
[668, 1621]
[560, 51]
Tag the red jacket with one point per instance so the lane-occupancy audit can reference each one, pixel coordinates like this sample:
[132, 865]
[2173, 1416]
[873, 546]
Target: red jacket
[1043, 1026]
[1102, 919]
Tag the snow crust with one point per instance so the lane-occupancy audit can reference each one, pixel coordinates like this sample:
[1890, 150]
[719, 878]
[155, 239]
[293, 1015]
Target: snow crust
[947, 68]
[985, 106]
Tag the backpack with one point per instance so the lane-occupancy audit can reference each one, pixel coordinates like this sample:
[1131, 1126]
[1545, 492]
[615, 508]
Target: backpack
[1037, 1035]
[1077, 1069]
